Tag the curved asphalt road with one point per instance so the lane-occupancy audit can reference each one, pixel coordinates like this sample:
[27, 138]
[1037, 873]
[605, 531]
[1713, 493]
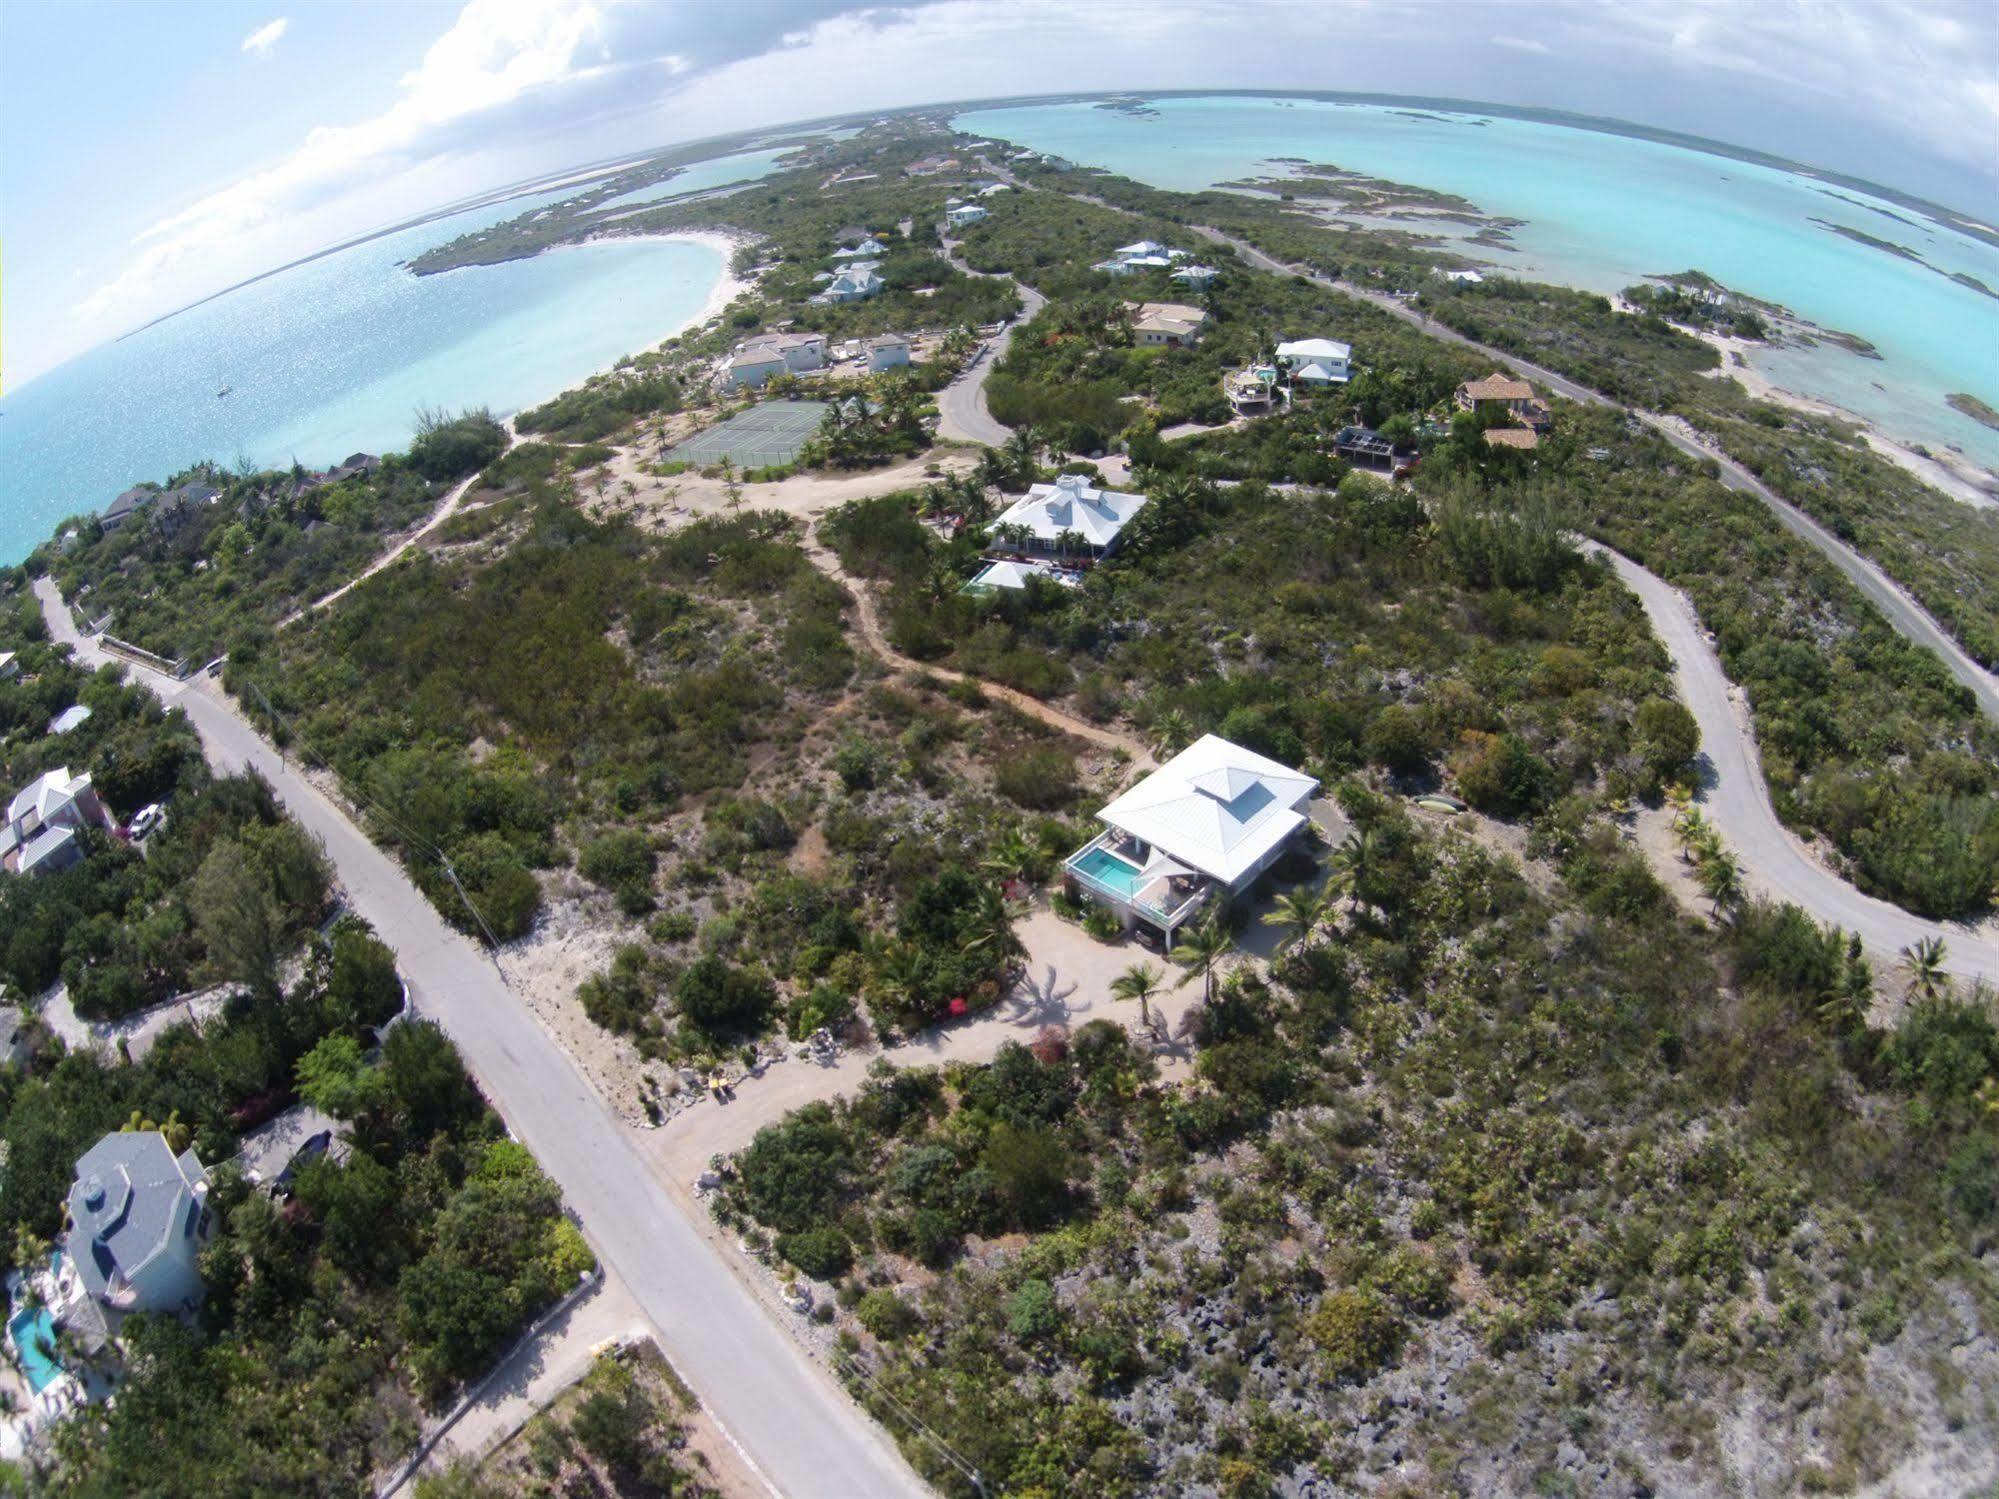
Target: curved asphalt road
[1903, 613]
[1738, 800]
[800, 1429]
[962, 414]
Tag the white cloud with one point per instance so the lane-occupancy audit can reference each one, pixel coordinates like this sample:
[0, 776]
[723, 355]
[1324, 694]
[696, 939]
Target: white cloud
[497, 53]
[260, 42]
[519, 86]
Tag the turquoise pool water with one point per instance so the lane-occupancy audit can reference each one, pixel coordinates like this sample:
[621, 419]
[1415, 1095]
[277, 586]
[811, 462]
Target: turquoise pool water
[1108, 870]
[34, 1333]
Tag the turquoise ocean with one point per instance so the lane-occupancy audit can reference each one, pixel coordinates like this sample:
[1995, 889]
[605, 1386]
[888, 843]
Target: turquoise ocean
[1604, 210]
[335, 356]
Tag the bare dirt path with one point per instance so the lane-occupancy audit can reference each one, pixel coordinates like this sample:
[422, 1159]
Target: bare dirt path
[446, 508]
[877, 643]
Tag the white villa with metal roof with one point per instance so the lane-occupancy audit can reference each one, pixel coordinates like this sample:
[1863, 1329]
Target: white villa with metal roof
[44, 819]
[1214, 817]
[1316, 361]
[1069, 518]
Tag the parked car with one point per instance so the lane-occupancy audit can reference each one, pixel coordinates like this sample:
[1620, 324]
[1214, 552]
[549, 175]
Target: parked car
[146, 819]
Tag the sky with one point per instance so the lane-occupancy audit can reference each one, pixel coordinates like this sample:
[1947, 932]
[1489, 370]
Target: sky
[159, 150]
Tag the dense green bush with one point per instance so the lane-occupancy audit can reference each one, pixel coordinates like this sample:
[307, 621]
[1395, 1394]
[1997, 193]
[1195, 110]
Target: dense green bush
[447, 448]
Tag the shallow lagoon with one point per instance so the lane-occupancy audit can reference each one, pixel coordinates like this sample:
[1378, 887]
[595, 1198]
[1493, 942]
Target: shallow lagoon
[1602, 211]
[331, 357]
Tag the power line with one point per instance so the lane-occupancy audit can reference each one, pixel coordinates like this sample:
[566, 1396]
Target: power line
[853, 1370]
[310, 753]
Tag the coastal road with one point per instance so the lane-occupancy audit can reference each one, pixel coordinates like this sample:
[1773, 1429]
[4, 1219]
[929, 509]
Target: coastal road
[1907, 617]
[797, 1425]
[1738, 800]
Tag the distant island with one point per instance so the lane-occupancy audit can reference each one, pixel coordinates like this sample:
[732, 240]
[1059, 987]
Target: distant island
[1971, 406]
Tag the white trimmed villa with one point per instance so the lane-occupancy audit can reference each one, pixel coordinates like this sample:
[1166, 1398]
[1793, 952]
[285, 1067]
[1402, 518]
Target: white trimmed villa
[1214, 817]
[1070, 518]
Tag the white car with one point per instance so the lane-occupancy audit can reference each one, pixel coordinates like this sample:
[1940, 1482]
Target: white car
[146, 819]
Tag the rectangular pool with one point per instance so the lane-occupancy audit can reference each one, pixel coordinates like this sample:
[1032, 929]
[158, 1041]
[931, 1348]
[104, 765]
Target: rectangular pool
[33, 1333]
[1119, 876]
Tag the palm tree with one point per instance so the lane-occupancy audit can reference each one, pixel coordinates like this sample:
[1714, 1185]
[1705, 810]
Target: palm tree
[1922, 961]
[1302, 910]
[1203, 949]
[1171, 732]
[1353, 862]
[1721, 880]
[993, 932]
[1139, 982]
[1011, 856]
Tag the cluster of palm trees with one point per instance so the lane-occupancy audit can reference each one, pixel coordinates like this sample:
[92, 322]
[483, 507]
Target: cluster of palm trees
[1715, 868]
[1205, 948]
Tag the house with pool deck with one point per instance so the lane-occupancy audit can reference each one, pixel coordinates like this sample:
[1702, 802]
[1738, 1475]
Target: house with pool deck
[1211, 819]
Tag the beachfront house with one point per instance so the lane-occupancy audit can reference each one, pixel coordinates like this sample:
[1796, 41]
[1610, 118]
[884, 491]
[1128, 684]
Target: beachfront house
[44, 820]
[1166, 325]
[1506, 395]
[866, 249]
[1197, 277]
[856, 283]
[1070, 519]
[771, 354]
[965, 215]
[1463, 278]
[1315, 361]
[1202, 827]
[127, 505]
[889, 351]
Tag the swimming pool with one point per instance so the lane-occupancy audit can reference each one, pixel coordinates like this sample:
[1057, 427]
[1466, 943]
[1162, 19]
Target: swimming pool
[1102, 867]
[33, 1333]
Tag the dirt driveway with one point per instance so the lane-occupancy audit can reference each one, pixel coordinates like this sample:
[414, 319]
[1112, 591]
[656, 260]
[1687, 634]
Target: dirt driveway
[1066, 981]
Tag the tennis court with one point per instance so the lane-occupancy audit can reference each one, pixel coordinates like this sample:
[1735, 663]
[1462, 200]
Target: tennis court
[762, 437]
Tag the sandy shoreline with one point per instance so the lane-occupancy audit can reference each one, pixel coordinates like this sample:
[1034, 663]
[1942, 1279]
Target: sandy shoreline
[1943, 469]
[726, 289]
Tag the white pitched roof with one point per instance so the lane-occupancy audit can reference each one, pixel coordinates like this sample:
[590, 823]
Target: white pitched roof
[1072, 504]
[1314, 349]
[1215, 807]
[1143, 247]
[47, 794]
[72, 717]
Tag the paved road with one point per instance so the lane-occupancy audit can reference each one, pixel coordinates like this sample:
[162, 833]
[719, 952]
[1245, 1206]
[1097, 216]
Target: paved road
[1738, 799]
[962, 414]
[1907, 617]
[798, 1426]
